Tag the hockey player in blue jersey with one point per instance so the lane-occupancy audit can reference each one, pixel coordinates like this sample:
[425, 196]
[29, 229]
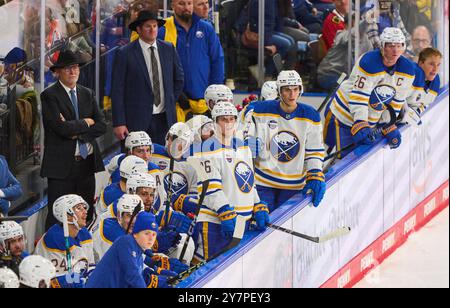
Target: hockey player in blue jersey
[55, 247]
[123, 264]
[380, 77]
[426, 85]
[289, 148]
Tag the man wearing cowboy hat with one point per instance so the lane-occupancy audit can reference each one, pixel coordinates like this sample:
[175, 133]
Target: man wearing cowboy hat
[72, 122]
[147, 80]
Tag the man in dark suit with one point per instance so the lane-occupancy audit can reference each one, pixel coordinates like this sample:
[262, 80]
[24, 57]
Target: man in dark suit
[72, 122]
[147, 80]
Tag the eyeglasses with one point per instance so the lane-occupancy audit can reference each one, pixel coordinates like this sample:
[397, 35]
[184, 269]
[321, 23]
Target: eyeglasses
[419, 41]
[68, 69]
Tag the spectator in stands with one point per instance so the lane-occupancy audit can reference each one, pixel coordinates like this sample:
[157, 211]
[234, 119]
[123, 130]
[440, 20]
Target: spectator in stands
[323, 5]
[200, 52]
[334, 22]
[147, 80]
[201, 8]
[336, 60]
[421, 39]
[72, 122]
[308, 15]
[291, 26]
[411, 15]
[10, 188]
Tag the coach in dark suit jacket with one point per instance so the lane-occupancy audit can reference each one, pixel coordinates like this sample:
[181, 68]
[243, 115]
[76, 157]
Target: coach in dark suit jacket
[147, 81]
[72, 122]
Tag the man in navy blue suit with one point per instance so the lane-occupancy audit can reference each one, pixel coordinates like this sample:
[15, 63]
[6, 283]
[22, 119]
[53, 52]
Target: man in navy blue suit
[147, 80]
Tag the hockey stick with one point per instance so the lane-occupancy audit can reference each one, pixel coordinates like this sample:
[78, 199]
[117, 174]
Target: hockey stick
[316, 239]
[136, 211]
[14, 218]
[338, 84]
[170, 193]
[67, 244]
[203, 177]
[375, 133]
[237, 237]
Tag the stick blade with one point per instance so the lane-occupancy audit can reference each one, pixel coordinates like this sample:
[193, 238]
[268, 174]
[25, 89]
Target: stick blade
[337, 233]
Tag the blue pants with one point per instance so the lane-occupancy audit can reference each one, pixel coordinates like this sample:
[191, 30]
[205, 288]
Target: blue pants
[210, 240]
[336, 134]
[274, 197]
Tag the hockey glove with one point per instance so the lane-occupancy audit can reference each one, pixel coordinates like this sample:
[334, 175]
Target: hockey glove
[74, 282]
[255, 144]
[165, 240]
[393, 135]
[153, 281]
[261, 216]
[177, 221]
[315, 182]
[186, 204]
[164, 262]
[412, 116]
[361, 133]
[4, 206]
[227, 216]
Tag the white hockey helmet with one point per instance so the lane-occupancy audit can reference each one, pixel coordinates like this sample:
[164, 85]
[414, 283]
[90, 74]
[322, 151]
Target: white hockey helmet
[289, 79]
[269, 91]
[224, 109]
[64, 205]
[8, 231]
[36, 272]
[217, 93]
[8, 279]
[127, 204]
[182, 138]
[138, 139]
[140, 180]
[131, 165]
[199, 125]
[392, 35]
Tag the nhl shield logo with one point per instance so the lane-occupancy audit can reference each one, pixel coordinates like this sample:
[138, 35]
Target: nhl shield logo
[228, 158]
[179, 184]
[162, 165]
[382, 95]
[285, 146]
[273, 124]
[245, 178]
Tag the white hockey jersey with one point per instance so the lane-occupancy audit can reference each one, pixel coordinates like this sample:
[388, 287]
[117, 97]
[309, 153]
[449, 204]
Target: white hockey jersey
[361, 97]
[292, 145]
[52, 247]
[232, 179]
[424, 92]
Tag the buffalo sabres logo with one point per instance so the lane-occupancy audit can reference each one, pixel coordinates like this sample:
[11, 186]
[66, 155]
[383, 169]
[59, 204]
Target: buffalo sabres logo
[285, 146]
[382, 95]
[179, 184]
[245, 178]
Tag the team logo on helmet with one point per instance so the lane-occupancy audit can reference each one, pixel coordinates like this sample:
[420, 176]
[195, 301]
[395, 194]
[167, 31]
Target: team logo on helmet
[273, 124]
[382, 95]
[245, 178]
[179, 184]
[285, 146]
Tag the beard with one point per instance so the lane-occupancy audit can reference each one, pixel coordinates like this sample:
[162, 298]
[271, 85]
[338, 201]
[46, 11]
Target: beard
[185, 17]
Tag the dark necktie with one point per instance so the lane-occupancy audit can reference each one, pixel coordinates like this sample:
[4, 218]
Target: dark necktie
[82, 146]
[155, 77]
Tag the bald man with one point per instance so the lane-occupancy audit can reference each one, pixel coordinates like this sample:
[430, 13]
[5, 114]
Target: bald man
[201, 8]
[421, 39]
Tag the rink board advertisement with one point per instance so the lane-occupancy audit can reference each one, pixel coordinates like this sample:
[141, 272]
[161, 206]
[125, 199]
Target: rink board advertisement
[377, 194]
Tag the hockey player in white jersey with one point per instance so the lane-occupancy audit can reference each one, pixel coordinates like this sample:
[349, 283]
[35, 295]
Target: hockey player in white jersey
[36, 272]
[129, 166]
[202, 128]
[426, 85]
[54, 246]
[184, 179]
[12, 245]
[290, 150]
[380, 77]
[217, 93]
[231, 190]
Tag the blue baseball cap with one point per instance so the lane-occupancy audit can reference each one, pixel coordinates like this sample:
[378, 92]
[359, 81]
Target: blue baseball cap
[145, 221]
